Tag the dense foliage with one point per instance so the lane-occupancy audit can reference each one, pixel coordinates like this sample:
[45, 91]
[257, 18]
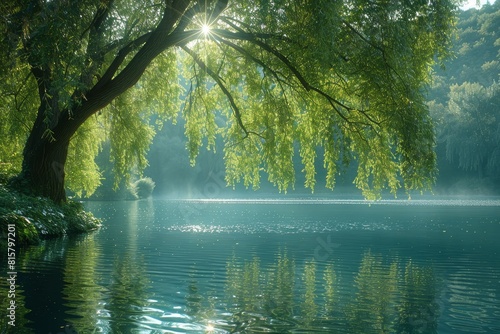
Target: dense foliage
[267, 76]
[465, 98]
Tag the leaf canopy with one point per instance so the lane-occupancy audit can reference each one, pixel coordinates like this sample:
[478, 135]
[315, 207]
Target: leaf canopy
[273, 78]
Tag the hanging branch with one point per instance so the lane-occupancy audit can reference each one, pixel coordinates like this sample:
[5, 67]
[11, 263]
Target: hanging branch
[221, 35]
[220, 83]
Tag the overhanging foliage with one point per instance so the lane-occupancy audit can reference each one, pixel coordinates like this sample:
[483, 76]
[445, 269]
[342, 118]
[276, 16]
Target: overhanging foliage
[347, 76]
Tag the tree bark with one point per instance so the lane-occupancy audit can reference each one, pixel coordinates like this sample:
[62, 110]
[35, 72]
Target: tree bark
[43, 169]
[44, 157]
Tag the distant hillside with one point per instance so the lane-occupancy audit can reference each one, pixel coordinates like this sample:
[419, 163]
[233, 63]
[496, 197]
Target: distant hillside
[465, 104]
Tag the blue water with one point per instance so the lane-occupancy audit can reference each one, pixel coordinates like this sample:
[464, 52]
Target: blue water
[295, 266]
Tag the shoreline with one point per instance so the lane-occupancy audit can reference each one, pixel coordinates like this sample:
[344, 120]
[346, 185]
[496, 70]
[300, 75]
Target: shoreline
[36, 218]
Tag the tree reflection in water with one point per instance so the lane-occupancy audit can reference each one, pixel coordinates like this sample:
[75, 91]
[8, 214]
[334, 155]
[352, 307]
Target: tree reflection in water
[373, 307]
[260, 295]
[418, 311]
[200, 308]
[81, 290]
[103, 302]
[389, 297]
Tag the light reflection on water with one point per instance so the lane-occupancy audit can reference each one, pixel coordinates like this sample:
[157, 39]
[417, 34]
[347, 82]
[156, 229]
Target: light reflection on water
[290, 267]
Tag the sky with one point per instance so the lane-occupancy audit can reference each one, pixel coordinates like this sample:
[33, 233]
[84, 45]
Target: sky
[472, 3]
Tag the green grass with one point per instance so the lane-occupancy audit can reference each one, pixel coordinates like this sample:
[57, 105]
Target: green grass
[39, 218]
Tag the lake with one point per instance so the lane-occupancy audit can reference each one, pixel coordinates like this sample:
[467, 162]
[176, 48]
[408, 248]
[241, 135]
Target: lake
[279, 266]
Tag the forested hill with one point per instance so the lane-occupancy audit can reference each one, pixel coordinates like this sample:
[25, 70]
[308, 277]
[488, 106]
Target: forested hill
[476, 48]
[465, 103]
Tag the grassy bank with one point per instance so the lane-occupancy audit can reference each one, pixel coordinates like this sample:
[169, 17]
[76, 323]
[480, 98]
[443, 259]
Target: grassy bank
[37, 218]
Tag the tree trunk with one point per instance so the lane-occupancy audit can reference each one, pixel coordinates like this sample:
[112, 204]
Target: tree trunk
[43, 169]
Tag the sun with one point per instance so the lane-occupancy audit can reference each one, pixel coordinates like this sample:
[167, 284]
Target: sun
[205, 29]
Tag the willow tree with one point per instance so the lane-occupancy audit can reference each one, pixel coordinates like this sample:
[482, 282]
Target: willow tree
[267, 76]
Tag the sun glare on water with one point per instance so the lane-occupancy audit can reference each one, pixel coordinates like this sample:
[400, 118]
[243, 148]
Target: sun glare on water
[210, 328]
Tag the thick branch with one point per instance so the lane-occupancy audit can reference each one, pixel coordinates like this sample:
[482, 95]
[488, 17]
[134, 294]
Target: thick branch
[153, 43]
[114, 84]
[122, 54]
[41, 81]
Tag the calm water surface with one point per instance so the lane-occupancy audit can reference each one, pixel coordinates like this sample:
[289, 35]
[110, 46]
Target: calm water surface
[292, 266]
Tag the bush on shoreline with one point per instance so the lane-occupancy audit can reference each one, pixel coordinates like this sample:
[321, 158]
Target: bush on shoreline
[144, 187]
[39, 218]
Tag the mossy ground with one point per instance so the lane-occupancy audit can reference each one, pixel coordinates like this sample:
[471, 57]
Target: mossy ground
[39, 218]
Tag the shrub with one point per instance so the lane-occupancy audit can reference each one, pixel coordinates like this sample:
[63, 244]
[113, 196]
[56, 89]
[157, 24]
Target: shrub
[144, 187]
[130, 193]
